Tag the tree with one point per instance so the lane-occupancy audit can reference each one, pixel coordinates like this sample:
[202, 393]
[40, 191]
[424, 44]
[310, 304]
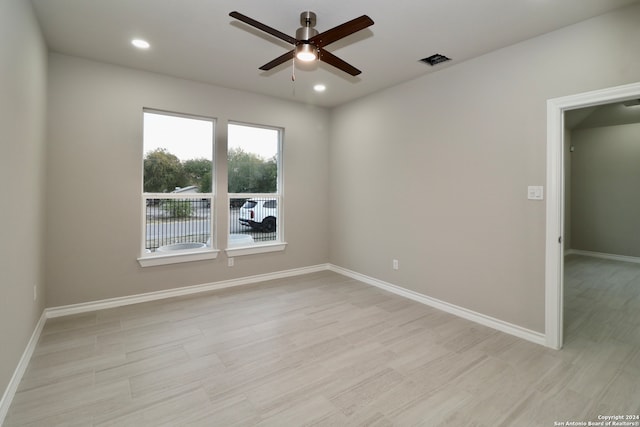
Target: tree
[163, 172]
[270, 177]
[198, 173]
[250, 173]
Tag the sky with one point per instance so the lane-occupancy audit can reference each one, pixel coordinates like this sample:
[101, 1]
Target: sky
[190, 138]
[185, 137]
[252, 139]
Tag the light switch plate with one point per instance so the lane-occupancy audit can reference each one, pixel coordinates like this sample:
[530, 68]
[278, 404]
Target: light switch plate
[535, 192]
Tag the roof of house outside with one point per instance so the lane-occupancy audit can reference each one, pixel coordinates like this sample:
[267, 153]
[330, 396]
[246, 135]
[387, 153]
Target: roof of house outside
[189, 189]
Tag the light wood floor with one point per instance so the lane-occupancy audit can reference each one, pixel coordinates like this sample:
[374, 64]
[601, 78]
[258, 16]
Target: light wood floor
[323, 349]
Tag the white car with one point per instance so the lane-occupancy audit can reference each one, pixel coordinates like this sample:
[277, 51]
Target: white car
[259, 214]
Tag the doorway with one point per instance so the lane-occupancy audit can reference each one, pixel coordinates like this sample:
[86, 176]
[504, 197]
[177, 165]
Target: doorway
[555, 210]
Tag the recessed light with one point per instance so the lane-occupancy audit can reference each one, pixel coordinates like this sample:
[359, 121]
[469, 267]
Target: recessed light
[140, 44]
[319, 88]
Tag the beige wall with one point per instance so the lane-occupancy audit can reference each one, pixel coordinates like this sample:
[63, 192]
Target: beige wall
[434, 172]
[94, 179]
[22, 124]
[605, 178]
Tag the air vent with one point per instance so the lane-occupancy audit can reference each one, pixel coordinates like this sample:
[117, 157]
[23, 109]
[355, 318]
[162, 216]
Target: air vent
[435, 59]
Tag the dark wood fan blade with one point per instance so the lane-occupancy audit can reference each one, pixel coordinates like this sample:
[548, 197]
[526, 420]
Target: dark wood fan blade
[279, 60]
[331, 59]
[263, 27]
[341, 31]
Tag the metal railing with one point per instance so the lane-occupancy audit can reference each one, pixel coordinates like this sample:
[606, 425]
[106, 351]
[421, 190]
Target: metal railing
[174, 222]
[177, 220]
[255, 215]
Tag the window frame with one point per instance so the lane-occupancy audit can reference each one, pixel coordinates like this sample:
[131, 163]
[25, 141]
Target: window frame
[149, 259]
[279, 244]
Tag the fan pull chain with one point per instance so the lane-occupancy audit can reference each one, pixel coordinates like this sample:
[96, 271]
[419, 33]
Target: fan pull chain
[293, 76]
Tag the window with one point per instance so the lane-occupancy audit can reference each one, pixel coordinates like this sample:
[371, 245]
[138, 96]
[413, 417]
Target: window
[177, 188]
[255, 189]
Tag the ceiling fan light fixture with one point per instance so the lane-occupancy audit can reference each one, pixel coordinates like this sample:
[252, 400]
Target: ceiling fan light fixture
[306, 52]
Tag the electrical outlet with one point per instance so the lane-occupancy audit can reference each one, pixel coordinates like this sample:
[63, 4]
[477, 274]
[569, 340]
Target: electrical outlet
[395, 264]
[230, 262]
[35, 292]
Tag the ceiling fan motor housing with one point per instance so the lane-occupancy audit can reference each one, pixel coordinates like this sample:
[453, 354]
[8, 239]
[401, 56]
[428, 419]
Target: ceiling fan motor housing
[306, 51]
[305, 33]
[308, 19]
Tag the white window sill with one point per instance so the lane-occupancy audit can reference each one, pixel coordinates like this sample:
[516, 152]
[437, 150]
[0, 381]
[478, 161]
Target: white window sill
[255, 249]
[151, 260]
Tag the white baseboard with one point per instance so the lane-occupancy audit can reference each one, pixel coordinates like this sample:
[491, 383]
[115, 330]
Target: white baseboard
[612, 257]
[509, 328]
[85, 307]
[480, 318]
[12, 387]
[67, 310]
[491, 322]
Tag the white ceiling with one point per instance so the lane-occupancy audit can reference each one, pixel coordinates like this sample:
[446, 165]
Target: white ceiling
[197, 40]
[614, 114]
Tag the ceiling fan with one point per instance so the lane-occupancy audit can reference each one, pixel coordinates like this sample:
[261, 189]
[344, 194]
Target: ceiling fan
[308, 43]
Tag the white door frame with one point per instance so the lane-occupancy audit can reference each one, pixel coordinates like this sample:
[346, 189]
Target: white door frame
[554, 261]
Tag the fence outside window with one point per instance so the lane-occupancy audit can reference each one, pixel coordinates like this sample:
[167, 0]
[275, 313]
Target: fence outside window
[254, 215]
[176, 222]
